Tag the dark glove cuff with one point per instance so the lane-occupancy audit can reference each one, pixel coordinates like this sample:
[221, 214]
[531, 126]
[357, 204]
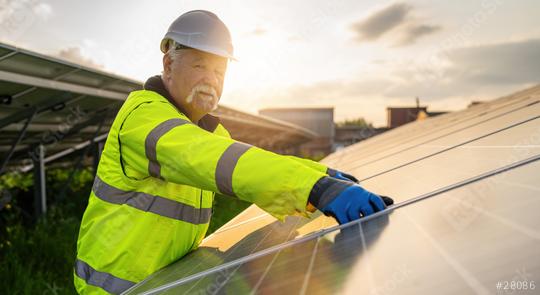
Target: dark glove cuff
[331, 172]
[325, 190]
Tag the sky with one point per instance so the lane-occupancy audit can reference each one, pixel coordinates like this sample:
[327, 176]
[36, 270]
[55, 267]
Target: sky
[357, 56]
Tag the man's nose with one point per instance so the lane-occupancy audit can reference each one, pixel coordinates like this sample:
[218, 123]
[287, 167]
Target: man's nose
[212, 79]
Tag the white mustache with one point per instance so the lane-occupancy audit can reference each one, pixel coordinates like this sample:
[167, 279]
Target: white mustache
[202, 88]
[209, 102]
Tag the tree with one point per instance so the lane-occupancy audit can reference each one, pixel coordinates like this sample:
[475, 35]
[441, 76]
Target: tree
[360, 122]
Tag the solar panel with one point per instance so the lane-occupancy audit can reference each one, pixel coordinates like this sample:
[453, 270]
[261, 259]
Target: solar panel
[459, 163]
[53, 96]
[450, 242]
[420, 131]
[452, 133]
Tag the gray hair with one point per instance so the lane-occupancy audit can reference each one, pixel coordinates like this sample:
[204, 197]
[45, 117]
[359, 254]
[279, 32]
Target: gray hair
[173, 53]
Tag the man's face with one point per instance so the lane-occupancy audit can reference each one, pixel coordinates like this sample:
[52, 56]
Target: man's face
[195, 80]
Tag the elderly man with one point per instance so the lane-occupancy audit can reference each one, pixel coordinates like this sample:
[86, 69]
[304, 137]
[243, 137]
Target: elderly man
[165, 158]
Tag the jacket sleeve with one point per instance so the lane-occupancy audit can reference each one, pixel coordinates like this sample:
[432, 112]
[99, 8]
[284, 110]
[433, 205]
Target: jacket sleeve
[310, 163]
[158, 141]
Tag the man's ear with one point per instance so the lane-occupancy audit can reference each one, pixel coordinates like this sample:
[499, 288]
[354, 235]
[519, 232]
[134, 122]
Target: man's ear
[167, 64]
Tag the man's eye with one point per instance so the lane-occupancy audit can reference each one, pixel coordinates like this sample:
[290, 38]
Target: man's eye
[198, 66]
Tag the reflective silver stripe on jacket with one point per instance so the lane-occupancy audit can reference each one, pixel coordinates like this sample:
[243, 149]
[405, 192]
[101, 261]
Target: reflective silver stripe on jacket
[226, 164]
[150, 143]
[105, 281]
[149, 203]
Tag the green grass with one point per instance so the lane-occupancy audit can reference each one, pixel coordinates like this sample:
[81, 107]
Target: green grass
[38, 259]
[37, 255]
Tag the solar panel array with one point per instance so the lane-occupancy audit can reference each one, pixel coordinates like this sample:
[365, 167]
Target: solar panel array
[62, 103]
[466, 186]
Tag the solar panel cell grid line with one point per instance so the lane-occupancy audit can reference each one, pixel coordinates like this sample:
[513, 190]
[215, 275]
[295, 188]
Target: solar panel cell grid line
[251, 213]
[461, 241]
[434, 149]
[11, 88]
[38, 96]
[438, 192]
[385, 138]
[24, 92]
[464, 128]
[411, 130]
[417, 153]
[364, 171]
[454, 165]
[298, 226]
[5, 53]
[209, 256]
[408, 139]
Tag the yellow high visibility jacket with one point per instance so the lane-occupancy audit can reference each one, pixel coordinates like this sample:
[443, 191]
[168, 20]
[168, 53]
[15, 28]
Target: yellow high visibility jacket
[151, 201]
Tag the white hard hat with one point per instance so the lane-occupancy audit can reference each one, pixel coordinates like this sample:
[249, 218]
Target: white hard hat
[202, 30]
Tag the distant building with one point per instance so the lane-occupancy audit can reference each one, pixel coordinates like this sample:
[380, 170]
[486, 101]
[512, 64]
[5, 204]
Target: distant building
[318, 120]
[397, 116]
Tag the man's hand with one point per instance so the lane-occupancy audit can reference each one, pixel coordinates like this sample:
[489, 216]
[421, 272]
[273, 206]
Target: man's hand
[353, 203]
[344, 200]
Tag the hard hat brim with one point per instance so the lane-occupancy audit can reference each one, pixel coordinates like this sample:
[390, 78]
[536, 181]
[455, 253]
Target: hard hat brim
[222, 53]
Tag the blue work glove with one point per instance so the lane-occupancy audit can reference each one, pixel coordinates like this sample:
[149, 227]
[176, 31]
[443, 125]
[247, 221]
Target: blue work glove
[341, 175]
[344, 200]
[347, 177]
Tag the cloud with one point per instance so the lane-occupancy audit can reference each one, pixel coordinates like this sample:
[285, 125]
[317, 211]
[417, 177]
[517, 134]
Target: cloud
[481, 72]
[16, 17]
[417, 31]
[397, 19]
[17, 10]
[486, 70]
[43, 10]
[74, 54]
[381, 21]
[502, 63]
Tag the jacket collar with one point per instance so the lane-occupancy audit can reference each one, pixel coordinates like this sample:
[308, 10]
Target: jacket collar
[154, 83]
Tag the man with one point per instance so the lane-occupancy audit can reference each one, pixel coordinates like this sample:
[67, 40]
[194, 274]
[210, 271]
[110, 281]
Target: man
[165, 157]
